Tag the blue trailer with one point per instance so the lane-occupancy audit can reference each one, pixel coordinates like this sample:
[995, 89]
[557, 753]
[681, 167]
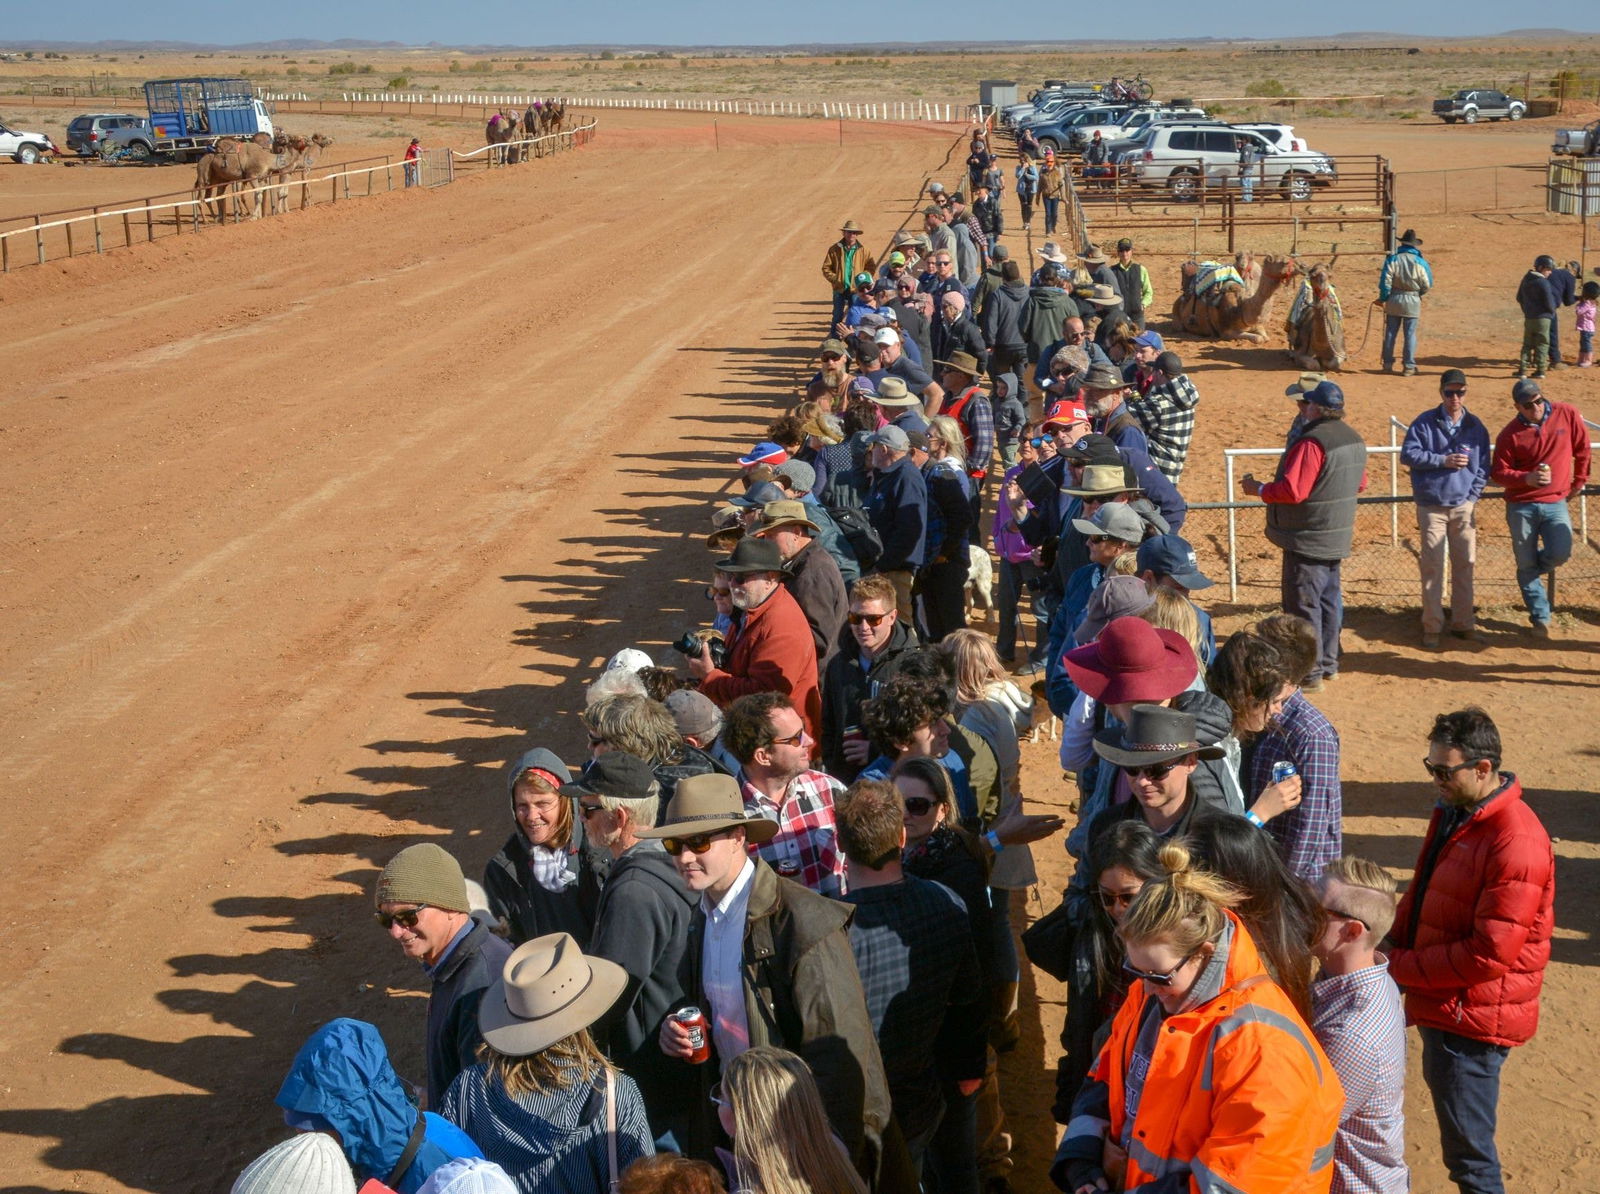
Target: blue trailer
[188, 116]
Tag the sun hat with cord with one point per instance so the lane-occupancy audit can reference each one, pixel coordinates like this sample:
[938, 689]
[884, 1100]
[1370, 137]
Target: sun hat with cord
[1117, 597]
[308, 1163]
[710, 804]
[1154, 734]
[548, 990]
[423, 874]
[1131, 660]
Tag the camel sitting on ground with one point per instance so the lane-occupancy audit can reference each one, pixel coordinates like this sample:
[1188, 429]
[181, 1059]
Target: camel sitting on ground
[234, 163]
[1213, 303]
[1315, 326]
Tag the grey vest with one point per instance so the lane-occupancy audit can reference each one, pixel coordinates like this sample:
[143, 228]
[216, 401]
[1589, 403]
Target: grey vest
[1322, 526]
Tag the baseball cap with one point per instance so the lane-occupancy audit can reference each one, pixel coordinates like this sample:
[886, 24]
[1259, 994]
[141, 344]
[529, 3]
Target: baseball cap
[1125, 243]
[1094, 449]
[917, 439]
[834, 346]
[759, 495]
[616, 774]
[1304, 384]
[863, 279]
[799, 474]
[999, 253]
[892, 437]
[1452, 377]
[1150, 339]
[886, 336]
[897, 258]
[1326, 395]
[1064, 414]
[1171, 555]
[1526, 390]
[629, 659]
[766, 452]
[1116, 519]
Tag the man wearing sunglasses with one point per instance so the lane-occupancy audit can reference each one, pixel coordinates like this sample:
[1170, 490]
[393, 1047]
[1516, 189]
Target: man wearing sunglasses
[769, 963]
[870, 649]
[1542, 459]
[1447, 450]
[1157, 752]
[422, 905]
[1471, 938]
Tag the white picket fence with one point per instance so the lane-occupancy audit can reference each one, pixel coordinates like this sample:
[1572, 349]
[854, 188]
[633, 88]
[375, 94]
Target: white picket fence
[903, 110]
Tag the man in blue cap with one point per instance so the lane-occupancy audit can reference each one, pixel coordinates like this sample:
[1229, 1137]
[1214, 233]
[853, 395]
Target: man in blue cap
[1311, 515]
[1168, 561]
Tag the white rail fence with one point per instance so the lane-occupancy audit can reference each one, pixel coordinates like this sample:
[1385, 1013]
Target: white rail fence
[266, 195]
[900, 110]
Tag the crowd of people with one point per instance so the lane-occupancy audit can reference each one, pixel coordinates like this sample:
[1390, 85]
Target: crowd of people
[762, 939]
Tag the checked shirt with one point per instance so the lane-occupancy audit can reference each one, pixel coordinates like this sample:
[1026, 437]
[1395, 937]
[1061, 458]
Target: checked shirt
[806, 830]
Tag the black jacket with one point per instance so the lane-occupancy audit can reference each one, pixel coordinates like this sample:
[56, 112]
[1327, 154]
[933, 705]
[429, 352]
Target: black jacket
[529, 910]
[643, 926]
[458, 986]
[961, 336]
[915, 324]
[845, 687]
[1001, 321]
[816, 585]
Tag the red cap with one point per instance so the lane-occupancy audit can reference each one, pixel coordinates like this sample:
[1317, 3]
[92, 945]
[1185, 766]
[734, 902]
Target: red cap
[1065, 414]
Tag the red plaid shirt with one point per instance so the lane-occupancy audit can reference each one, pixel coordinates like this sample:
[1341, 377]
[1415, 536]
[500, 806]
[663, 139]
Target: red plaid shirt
[806, 833]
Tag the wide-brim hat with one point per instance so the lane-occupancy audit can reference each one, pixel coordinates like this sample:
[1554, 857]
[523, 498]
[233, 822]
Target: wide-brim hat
[547, 990]
[1304, 384]
[710, 804]
[1101, 376]
[786, 513]
[850, 226]
[892, 391]
[906, 238]
[1051, 251]
[1095, 256]
[1132, 660]
[1410, 237]
[1101, 480]
[1154, 734]
[962, 362]
[1104, 296]
[752, 554]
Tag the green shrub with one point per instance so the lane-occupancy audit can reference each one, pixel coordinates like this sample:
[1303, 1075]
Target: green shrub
[1267, 87]
[398, 82]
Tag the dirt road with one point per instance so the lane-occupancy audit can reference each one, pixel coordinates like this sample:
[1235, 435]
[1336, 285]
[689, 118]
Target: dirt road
[311, 524]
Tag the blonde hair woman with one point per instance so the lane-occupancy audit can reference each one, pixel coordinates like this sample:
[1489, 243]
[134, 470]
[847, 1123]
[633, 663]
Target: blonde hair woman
[1230, 1081]
[782, 1143]
[947, 446]
[943, 579]
[1172, 611]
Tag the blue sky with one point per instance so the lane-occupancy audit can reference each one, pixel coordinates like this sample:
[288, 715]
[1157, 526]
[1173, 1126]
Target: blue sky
[759, 22]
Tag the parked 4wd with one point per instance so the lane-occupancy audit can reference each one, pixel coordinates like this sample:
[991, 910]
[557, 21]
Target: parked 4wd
[25, 147]
[1183, 158]
[85, 133]
[1480, 103]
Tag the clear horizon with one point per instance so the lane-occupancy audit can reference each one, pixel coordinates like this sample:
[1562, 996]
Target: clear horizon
[726, 23]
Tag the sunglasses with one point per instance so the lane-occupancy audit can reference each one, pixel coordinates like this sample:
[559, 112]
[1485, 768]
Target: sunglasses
[712, 593]
[1155, 772]
[593, 741]
[920, 806]
[1534, 405]
[1151, 976]
[1037, 441]
[1454, 392]
[870, 619]
[1103, 539]
[698, 844]
[406, 919]
[718, 1098]
[1442, 773]
[588, 810]
[793, 739]
[1117, 899]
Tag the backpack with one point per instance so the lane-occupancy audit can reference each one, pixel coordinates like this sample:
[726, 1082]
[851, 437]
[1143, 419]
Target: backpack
[858, 532]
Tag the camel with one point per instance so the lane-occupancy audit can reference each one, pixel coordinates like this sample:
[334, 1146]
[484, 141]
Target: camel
[294, 157]
[234, 163]
[1217, 308]
[1315, 326]
[500, 129]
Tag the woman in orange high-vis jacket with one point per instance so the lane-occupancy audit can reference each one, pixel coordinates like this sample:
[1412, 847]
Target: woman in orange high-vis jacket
[1211, 1083]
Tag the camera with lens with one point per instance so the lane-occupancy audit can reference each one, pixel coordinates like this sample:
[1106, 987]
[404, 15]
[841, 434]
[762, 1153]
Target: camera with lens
[691, 642]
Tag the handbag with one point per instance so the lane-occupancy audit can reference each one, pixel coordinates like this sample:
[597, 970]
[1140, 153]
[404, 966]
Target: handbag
[1048, 941]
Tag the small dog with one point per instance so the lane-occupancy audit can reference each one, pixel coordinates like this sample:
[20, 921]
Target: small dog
[980, 579]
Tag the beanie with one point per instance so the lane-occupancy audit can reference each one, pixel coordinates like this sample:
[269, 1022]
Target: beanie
[309, 1163]
[424, 874]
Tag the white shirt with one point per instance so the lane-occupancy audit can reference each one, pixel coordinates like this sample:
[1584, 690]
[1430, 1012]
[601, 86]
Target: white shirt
[722, 966]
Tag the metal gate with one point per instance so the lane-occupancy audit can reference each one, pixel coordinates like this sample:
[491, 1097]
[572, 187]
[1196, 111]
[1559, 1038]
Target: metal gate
[434, 168]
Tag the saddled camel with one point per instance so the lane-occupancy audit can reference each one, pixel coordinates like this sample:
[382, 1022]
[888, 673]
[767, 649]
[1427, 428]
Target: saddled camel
[501, 128]
[294, 157]
[235, 163]
[1315, 326]
[1224, 310]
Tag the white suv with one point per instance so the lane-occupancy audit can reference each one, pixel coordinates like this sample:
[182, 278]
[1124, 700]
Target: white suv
[26, 148]
[1183, 158]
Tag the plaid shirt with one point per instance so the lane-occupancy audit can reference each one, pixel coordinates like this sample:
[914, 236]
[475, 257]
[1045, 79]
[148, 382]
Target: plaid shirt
[977, 425]
[806, 833]
[1311, 835]
[1166, 412]
[1360, 1022]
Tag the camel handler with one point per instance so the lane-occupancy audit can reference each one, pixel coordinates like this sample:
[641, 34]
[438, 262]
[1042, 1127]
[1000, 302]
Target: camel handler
[966, 403]
[413, 165]
[846, 258]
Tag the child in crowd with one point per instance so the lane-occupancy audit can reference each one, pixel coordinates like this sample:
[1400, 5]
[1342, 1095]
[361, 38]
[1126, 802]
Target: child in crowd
[1588, 300]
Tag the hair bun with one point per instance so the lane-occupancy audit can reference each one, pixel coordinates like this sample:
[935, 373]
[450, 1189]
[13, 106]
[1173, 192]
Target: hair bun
[1175, 859]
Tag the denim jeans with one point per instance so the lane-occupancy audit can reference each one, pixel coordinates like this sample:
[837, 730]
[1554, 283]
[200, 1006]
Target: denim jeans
[1310, 590]
[1052, 208]
[1392, 326]
[1541, 541]
[950, 1165]
[841, 304]
[1463, 1076]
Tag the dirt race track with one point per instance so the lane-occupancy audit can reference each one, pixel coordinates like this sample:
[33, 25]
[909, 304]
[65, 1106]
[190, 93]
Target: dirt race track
[311, 524]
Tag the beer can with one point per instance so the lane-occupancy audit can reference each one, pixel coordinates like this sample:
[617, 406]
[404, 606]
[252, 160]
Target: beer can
[789, 868]
[694, 1020]
[1282, 770]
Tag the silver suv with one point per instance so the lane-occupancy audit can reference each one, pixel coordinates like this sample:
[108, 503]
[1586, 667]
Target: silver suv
[1130, 125]
[1183, 158]
[85, 133]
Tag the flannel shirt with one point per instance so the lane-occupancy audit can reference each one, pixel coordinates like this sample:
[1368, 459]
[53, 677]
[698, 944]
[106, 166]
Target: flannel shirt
[977, 423]
[806, 830]
[919, 971]
[1360, 1022]
[949, 493]
[1311, 835]
[1166, 412]
[979, 236]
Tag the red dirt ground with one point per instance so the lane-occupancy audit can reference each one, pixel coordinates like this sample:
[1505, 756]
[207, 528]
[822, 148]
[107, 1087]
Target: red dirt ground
[313, 523]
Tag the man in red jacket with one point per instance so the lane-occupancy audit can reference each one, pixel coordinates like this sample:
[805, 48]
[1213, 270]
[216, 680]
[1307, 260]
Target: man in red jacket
[1542, 459]
[770, 649]
[1471, 938]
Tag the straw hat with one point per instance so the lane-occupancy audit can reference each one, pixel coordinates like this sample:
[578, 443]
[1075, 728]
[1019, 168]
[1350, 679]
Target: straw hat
[1104, 296]
[548, 990]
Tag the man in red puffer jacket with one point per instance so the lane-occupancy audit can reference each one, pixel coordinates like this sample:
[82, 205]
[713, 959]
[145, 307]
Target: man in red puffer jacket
[1471, 938]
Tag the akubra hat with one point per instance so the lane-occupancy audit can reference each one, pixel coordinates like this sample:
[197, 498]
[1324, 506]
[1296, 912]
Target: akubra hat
[1095, 256]
[1103, 295]
[1132, 660]
[1154, 734]
[850, 226]
[1051, 251]
[752, 555]
[1410, 237]
[962, 362]
[710, 804]
[892, 391]
[784, 514]
[1101, 480]
[548, 990]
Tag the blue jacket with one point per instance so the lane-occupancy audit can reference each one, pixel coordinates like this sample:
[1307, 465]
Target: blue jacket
[1535, 297]
[342, 1079]
[1428, 441]
[897, 506]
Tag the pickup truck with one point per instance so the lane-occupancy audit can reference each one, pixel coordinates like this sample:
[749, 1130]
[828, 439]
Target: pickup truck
[1478, 103]
[1578, 143]
[189, 116]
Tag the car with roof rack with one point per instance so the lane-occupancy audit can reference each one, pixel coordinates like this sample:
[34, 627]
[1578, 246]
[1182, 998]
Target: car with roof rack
[1184, 158]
